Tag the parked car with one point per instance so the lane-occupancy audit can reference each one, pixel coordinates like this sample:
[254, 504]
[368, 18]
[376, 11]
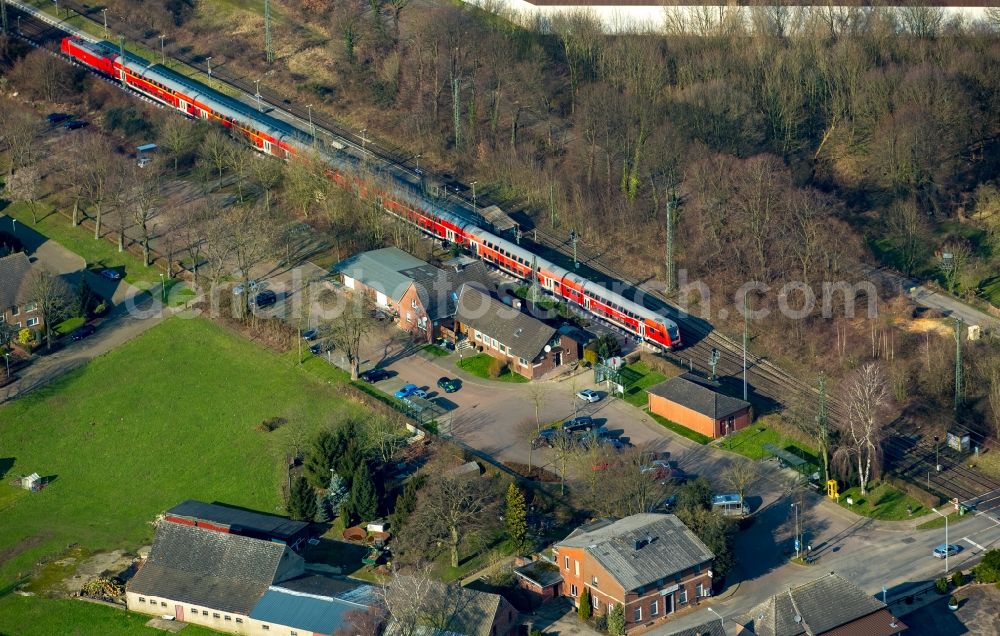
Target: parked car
[947, 549]
[111, 274]
[449, 385]
[371, 376]
[82, 332]
[251, 284]
[75, 124]
[406, 391]
[142, 162]
[589, 395]
[320, 348]
[420, 393]
[579, 424]
[57, 118]
[265, 298]
[546, 437]
[613, 443]
[310, 334]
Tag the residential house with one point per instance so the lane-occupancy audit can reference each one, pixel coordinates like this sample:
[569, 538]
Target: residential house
[712, 627]
[249, 523]
[16, 307]
[529, 346]
[828, 606]
[698, 404]
[540, 578]
[239, 584]
[652, 564]
[421, 297]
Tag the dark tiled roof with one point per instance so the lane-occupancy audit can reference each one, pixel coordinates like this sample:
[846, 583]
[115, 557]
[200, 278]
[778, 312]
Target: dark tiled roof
[320, 611]
[246, 522]
[523, 335]
[880, 623]
[711, 628]
[438, 288]
[697, 395]
[380, 270]
[541, 573]
[217, 570]
[460, 611]
[673, 548]
[14, 278]
[822, 605]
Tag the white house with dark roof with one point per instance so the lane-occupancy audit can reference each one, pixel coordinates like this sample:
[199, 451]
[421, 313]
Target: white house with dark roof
[828, 606]
[652, 564]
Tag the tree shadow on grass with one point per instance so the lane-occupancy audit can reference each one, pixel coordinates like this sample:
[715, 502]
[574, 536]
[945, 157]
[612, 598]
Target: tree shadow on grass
[6, 463]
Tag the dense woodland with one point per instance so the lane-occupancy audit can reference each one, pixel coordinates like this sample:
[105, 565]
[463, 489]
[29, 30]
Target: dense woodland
[798, 146]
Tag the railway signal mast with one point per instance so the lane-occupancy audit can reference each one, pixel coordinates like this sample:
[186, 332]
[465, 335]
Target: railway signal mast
[268, 46]
[958, 364]
[671, 265]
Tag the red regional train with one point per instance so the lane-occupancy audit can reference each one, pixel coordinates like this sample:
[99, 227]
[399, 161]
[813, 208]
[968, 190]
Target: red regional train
[278, 138]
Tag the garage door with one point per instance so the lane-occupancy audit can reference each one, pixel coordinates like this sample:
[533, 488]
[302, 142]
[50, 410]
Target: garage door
[381, 300]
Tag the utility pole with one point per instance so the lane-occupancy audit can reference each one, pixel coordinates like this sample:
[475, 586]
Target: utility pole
[256, 82]
[208, 61]
[746, 327]
[958, 364]
[457, 111]
[474, 210]
[163, 54]
[671, 266]
[573, 237]
[824, 432]
[534, 279]
[714, 362]
[268, 46]
[105, 12]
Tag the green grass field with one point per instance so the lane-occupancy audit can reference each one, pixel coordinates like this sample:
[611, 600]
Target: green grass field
[34, 616]
[683, 431]
[479, 365]
[100, 253]
[635, 394]
[750, 441]
[166, 417]
[882, 502]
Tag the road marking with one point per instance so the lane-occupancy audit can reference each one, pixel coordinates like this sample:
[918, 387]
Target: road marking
[973, 543]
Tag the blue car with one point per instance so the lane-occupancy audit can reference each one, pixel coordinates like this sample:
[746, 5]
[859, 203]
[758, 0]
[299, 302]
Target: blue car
[406, 391]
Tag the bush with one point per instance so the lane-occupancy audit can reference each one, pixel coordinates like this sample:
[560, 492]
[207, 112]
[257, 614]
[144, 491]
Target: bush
[271, 424]
[953, 600]
[601, 623]
[25, 337]
[941, 585]
[958, 579]
[988, 570]
[584, 610]
[496, 368]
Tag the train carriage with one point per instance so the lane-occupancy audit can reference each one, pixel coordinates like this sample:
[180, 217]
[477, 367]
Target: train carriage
[281, 139]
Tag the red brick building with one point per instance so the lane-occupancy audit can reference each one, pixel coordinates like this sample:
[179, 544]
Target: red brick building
[529, 346]
[697, 404]
[16, 306]
[652, 564]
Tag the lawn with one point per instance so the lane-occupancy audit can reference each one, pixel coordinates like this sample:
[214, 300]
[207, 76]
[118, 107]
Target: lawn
[102, 253]
[436, 351]
[168, 416]
[639, 377]
[69, 325]
[882, 502]
[990, 290]
[35, 616]
[937, 521]
[683, 431]
[479, 365]
[750, 443]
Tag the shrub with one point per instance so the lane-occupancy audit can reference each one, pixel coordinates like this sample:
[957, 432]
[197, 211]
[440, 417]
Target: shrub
[537, 632]
[953, 600]
[601, 623]
[584, 610]
[988, 570]
[496, 368]
[958, 579]
[25, 337]
[271, 424]
[941, 585]
[616, 620]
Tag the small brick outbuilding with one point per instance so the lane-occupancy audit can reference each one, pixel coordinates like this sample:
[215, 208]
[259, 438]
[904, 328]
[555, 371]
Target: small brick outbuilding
[698, 404]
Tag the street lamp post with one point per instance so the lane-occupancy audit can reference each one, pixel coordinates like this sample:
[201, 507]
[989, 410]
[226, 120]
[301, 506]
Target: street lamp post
[473, 184]
[257, 94]
[937, 455]
[946, 546]
[721, 619]
[796, 508]
[163, 290]
[163, 55]
[746, 327]
[105, 12]
[417, 160]
[6, 357]
[312, 128]
[208, 61]
[364, 140]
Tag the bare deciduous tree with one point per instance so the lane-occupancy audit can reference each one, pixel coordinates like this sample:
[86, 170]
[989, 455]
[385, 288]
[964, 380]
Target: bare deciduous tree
[454, 509]
[866, 399]
[23, 185]
[214, 151]
[52, 298]
[252, 241]
[740, 475]
[176, 137]
[141, 203]
[18, 129]
[349, 328]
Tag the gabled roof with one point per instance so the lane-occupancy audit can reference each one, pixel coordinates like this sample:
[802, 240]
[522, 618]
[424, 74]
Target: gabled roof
[239, 521]
[698, 395]
[524, 336]
[641, 549]
[463, 611]
[819, 607]
[312, 604]
[711, 628]
[15, 270]
[381, 270]
[222, 571]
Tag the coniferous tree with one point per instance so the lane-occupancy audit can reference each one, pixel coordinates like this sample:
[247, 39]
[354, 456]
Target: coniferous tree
[616, 620]
[364, 498]
[516, 518]
[302, 500]
[584, 610]
[319, 459]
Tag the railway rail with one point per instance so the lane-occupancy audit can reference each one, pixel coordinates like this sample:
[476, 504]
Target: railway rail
[910, 455]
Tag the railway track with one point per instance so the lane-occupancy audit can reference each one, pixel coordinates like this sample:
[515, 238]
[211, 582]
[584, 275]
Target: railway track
[907, 454]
